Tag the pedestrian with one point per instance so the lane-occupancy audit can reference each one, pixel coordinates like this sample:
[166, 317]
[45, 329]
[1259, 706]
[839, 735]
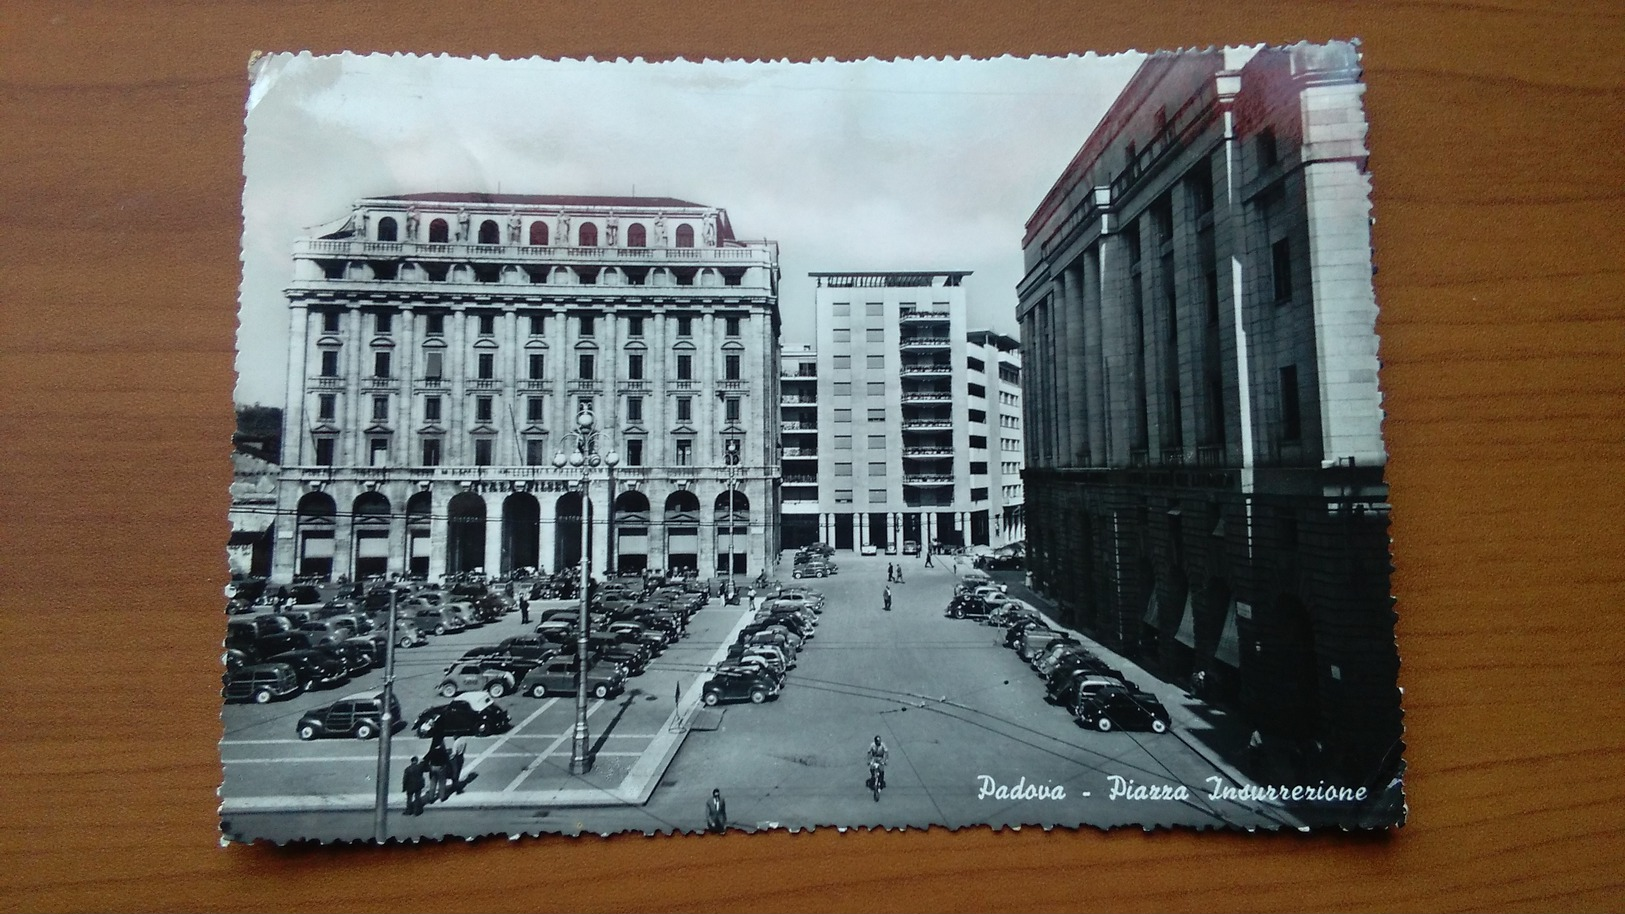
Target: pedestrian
[889, 572]
[412, 783]
[524, 611]
[1255, 753]
[438, 761]
[459, 747]
[716, 813]
[887, 599]
[677, 696]
[928, 558]
[899, 573]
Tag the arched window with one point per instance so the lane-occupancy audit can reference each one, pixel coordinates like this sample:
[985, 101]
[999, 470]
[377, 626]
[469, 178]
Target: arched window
[490, 232]
[386, 229]
[439, 232]
[685, 236]
[589, 235]
[636, 236]
[538, 234]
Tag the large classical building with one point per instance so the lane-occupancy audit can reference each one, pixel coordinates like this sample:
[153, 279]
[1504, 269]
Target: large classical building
[899, 424]
[446, 347]
[1204, 438]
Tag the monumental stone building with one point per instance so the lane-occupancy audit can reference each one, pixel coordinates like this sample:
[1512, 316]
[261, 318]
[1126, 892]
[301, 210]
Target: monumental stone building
[1204, 427]
[446, 346]
[900, 425]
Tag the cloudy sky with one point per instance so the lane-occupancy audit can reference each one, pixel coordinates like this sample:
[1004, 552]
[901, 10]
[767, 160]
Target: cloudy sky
[862, 166]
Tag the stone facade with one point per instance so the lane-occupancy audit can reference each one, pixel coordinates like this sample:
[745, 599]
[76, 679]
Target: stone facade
[443, 347]
[1205, 459]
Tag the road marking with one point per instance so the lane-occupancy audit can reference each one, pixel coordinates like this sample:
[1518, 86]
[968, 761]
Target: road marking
[349, 758]
[505, 737]
[525, 771]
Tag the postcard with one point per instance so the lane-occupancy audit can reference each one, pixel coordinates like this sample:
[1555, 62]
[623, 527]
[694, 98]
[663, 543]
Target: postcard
[723, 446]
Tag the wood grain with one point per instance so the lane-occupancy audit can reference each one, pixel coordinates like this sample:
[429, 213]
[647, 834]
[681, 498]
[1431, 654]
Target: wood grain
[1496, 134]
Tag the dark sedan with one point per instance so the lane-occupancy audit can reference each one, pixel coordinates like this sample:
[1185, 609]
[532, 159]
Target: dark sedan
[1115, 708]
[738, 686]
[469, 714]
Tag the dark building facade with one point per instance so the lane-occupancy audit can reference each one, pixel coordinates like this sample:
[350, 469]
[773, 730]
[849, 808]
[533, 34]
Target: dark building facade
[1204, 449]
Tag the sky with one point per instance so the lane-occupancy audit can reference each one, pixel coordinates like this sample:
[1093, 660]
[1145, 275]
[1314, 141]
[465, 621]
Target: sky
[910, 165]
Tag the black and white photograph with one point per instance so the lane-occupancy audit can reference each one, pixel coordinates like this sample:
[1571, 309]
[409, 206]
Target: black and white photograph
[711, 447]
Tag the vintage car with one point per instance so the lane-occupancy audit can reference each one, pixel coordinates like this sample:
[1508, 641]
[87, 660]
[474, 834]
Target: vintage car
[738, 686]
[469, 714]
[359, 716]
[1120, 708]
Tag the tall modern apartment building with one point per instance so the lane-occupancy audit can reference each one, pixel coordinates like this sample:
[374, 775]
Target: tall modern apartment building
[446, 348]
[892, 420]
[1204, 437]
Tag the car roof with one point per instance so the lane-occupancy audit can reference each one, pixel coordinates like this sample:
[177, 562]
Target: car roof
[363, 696]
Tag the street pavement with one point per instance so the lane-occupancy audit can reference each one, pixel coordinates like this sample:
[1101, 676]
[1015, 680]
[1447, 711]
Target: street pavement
[971, 738]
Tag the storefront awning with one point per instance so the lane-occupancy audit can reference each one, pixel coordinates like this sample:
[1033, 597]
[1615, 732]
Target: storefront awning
[1187, 625]
[1229, 651]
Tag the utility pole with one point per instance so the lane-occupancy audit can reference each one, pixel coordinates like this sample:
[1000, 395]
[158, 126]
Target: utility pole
[386, 731]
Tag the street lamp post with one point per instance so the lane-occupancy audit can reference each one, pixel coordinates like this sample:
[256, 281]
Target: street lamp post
[581, 452]
[731, 477]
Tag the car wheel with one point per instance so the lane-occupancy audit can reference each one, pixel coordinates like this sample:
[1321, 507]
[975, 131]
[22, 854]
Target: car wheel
[496, 689]
[757, 696]
[307, 732]
[1104, 724]
[538, 691]
[600, 690]
[447, 689]
[959, 614]
[263, 696]
[440, 629]
[1159, 726]
[364, 730]
[711, 699]
[405, 641]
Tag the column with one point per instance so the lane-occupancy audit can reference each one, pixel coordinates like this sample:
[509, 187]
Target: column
[1077, 418]
[438, 524]
[493, 535]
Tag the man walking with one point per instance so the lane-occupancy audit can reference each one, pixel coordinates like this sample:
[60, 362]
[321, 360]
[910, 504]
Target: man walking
[716, 813]
[412, 783]
[887, 599]
[459, 746]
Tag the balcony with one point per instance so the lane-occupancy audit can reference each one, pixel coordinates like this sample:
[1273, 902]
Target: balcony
[523, 253]
[328, 382]
[432, 382]
[928, 452]
[533, 384]
[923, 315]
[482, 384]
[795, 453]
[798, 399]
[927, 424]
[924, 342]
[798, 375]
[927, 479]
[794, 425]
[922, 371]
[682, 385]
[584, 386]
[928, 396]
[633, 385]
[377, 382]
[731, 385]
[800, 480]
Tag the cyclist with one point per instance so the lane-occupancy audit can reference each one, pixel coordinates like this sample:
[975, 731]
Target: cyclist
[877, 761]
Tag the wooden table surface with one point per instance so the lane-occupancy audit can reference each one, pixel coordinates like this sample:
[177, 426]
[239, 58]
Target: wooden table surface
[1496, 139]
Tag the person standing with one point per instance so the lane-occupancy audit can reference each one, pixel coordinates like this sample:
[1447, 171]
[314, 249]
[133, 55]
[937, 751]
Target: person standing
[716, 813]
[412, 783]
[524, 611]
[459, 748]
[438, 761]
[887, 599]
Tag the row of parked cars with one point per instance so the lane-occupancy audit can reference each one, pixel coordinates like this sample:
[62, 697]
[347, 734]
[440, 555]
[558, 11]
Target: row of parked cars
[631, 621]
[286, 648]
[766, 648]
[1097, 695]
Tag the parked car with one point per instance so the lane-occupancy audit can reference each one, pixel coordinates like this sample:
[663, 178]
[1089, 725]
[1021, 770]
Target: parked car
[1068, 688]
[360, 716]
[911, 547]
[1121, 708]
[476, 677]
[773, 656]
[558, 677]
[469, 714]
[814, 568]
[439, 620]
[1001, 561]
[869, 549]
[261, 683]
[315, 669]
[967, 606]
[732, 686]
[356, 659]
